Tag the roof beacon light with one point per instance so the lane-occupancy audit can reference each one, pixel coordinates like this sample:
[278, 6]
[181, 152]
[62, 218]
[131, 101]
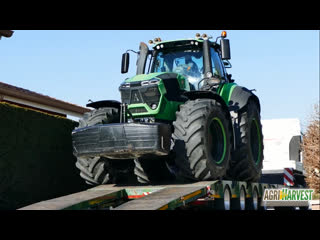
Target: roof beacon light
[224, 34]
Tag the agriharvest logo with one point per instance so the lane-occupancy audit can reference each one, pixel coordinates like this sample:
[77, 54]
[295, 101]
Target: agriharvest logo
[286, 194]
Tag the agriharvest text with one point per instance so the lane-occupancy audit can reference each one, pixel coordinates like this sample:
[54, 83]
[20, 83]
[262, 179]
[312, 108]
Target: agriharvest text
[287, 194]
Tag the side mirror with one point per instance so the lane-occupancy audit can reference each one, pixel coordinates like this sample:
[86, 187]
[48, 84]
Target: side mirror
[227, 64]
[225, 49]
[125, 63]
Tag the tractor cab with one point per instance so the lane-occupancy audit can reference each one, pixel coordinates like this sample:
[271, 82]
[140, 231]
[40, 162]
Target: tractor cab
[197, 59]
[186, 60]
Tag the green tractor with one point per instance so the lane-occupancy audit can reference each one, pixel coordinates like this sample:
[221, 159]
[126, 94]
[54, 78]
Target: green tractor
[182, 119]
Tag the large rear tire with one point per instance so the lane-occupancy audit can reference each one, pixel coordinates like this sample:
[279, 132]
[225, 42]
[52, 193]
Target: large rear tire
[202, 140]
[247, 162]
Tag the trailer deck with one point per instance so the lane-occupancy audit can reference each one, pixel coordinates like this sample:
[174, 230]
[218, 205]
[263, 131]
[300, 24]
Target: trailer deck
[153, 197]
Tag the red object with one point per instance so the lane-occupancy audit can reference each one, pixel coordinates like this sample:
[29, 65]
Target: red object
[288, 178]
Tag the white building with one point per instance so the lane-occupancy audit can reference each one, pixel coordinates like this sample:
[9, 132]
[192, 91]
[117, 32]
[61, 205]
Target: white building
[282, 139]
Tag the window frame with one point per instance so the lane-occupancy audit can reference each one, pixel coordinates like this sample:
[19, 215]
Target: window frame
[218, 57]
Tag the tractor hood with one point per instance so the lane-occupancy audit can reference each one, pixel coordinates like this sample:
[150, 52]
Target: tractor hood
[160, 76]
[143, 77]
[155, 94]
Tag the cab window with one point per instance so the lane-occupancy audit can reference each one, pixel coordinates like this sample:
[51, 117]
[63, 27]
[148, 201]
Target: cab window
[216, 63]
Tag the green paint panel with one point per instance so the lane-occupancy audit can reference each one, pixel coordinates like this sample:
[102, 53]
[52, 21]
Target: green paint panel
[142, 77]
[166, 110]
[225, 91]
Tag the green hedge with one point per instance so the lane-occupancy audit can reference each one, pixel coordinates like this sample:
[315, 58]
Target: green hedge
[36, 160]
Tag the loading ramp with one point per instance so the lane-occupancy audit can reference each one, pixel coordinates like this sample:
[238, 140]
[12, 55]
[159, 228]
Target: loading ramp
[150, 197]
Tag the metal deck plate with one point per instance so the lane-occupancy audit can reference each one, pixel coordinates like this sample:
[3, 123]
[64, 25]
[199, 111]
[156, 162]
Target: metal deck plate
[81, 200]
[103, 196]
[166, 198]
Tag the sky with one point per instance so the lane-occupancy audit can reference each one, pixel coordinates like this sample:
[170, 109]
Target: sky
[78, 65]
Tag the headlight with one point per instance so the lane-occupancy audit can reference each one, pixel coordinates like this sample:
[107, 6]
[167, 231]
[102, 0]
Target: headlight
[125, 85]
[154, 106]
[150, 82]
[144, 83]
[154, 81]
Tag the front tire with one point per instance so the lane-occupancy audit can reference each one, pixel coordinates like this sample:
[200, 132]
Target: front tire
[94, 170]
[202, 140]
[152, 170]
[98, 170]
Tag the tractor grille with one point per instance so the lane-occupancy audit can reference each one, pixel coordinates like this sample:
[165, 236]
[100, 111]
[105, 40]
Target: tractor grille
[138, 110]
[151, 95]
[133, 95]
[125, 95]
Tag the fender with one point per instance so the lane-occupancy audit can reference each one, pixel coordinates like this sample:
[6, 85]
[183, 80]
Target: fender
[240, 97]
[193, 95]
[238, 103]
[104, 103]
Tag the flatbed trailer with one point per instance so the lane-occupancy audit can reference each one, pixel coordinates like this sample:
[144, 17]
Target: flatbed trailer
[219, 194]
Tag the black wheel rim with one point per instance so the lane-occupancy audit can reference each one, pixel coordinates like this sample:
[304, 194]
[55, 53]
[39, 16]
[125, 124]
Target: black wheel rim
[217, 140]
[255, 141]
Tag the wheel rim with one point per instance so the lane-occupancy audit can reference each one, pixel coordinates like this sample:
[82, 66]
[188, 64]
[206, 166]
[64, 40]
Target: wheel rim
[255, 141]
[226, 199]
[255, 200]
[242, 199]
[217, 140]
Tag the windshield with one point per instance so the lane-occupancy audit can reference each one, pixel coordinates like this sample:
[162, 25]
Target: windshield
[185, 61]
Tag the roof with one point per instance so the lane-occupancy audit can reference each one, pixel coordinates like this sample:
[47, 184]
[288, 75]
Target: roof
[6, 33]
[177, 41]
[24, 94]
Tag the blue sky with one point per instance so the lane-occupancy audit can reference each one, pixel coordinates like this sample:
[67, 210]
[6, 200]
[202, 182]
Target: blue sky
[74, 66]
